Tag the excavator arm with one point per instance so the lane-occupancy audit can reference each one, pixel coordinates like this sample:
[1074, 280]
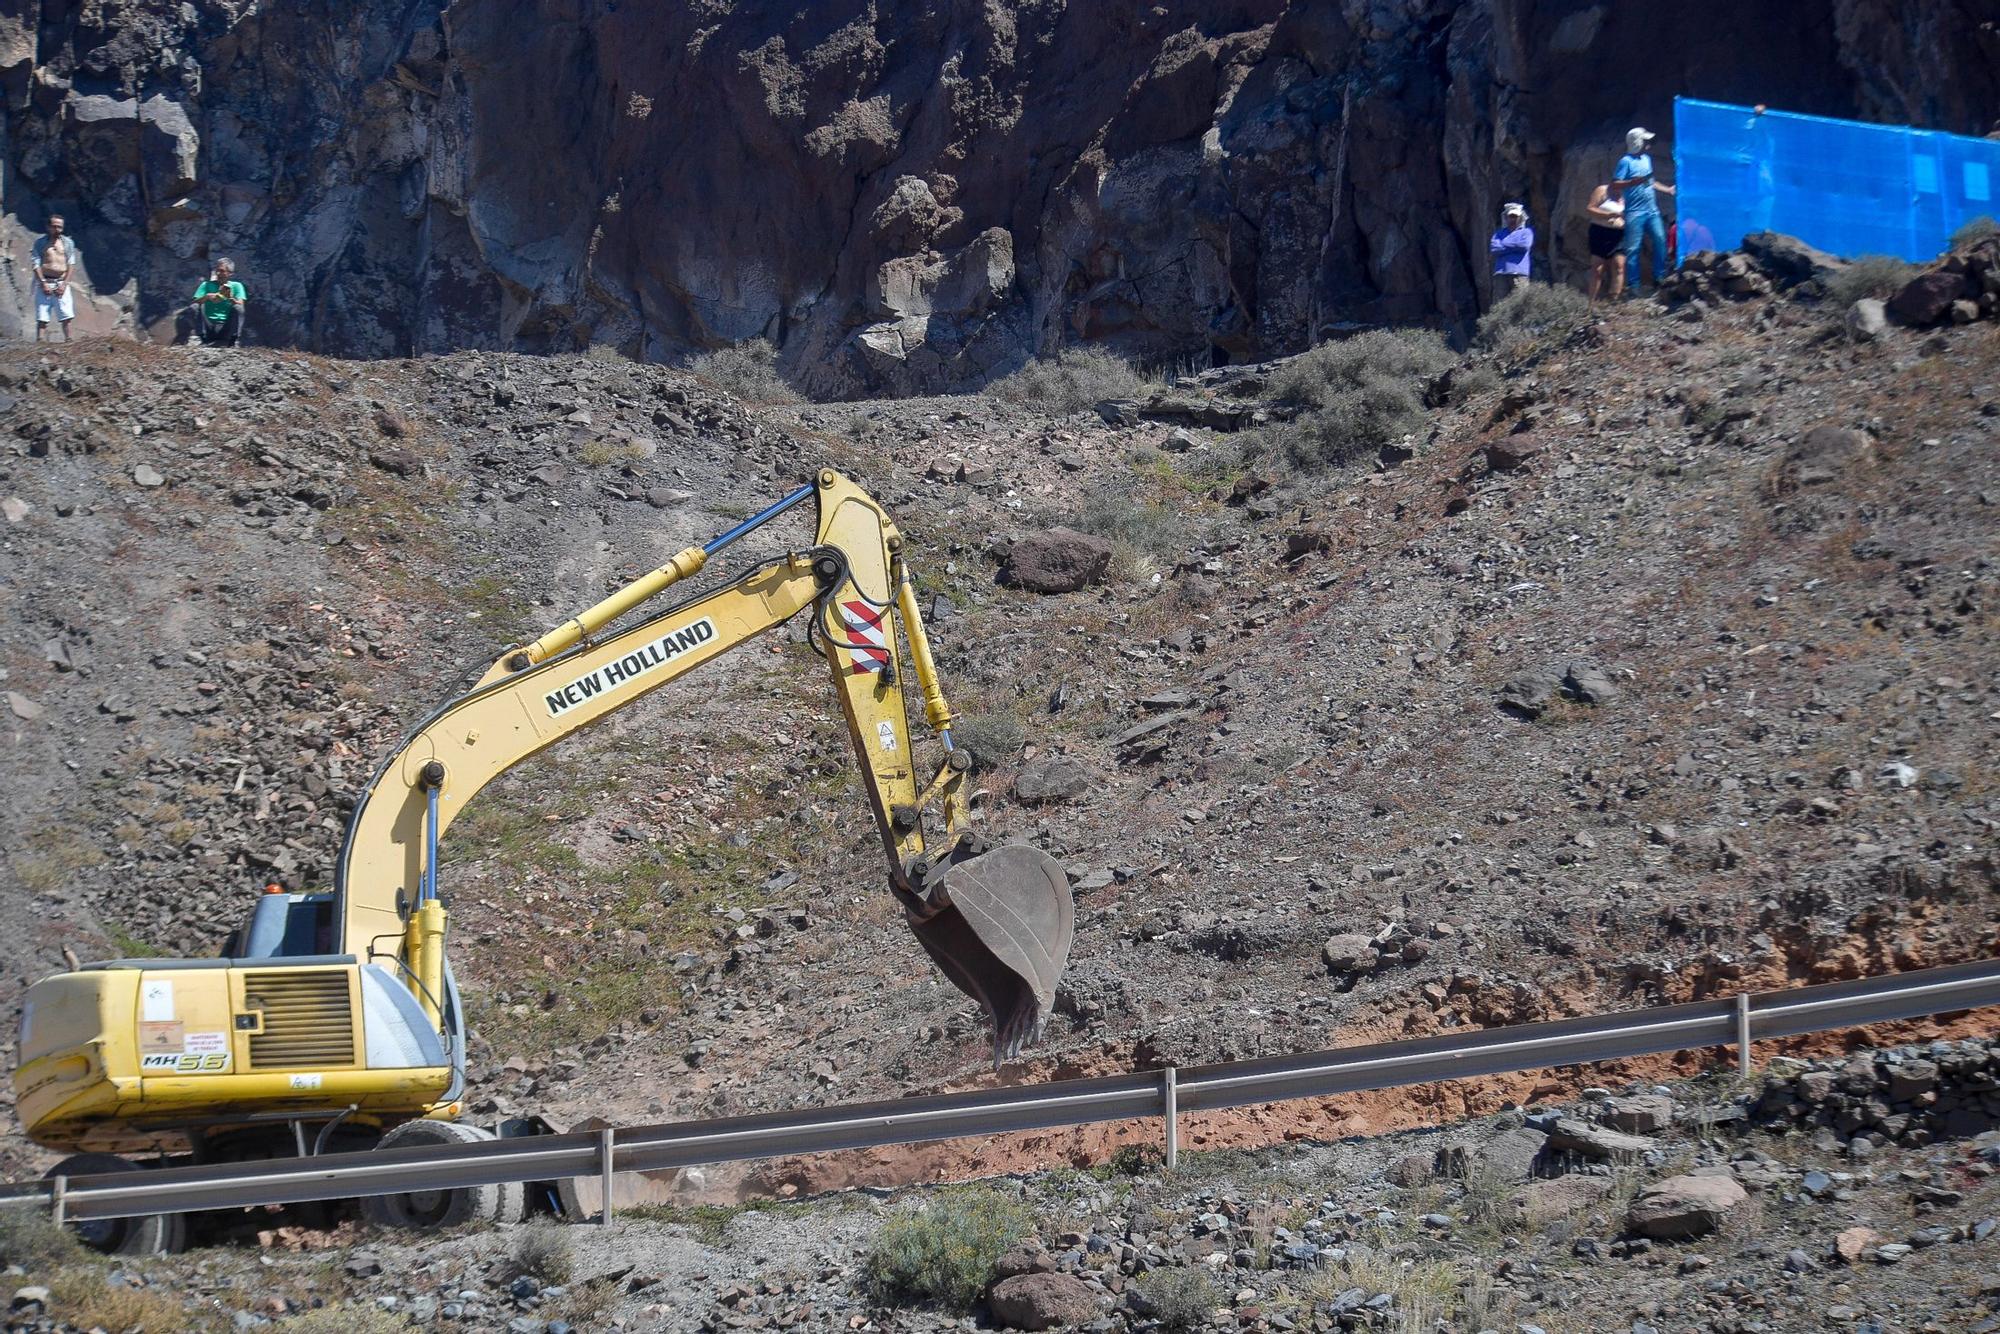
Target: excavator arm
[997, 922]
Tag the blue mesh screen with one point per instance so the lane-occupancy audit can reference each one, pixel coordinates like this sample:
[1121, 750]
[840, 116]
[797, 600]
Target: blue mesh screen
[1844, 186]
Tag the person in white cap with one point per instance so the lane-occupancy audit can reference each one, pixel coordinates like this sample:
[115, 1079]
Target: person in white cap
[1642, 208]
[1510, 246]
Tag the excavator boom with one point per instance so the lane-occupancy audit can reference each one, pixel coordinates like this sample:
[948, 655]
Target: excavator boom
[998, 923]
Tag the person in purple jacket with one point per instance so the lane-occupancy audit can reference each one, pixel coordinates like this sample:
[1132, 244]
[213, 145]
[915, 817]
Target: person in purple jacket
[1510, 246]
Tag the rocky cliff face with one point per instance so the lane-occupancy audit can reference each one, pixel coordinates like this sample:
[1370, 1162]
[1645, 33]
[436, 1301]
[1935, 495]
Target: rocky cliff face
[901, 194]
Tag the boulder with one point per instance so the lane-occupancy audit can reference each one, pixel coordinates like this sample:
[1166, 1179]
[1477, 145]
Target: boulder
[1927, 298]
[1511, 454]
[1412, 1169]
[1588, 683]
[1511, 1155]
[1646, 1114]
[29, 1301]
[1867, 320]
[1826, 452]
[1527, 694]
[1854, 1243]
[1042, 1301]
[1056, 779]
[110, 138]
[1685, 1206]
[1024, 1257]
[1569, 1135]
[1911, 1079]
[1349, 953]
[1313, 539]
[1788, 260]
[1559, 1197]
[1058, 560]
[397, 460]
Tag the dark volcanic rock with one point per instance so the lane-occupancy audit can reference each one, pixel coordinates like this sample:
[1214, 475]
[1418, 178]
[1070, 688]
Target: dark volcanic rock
[1058, 560]
[1927, 298]
[1788, 260]
[906, 196]
[1041, 1301]
[1058, 779]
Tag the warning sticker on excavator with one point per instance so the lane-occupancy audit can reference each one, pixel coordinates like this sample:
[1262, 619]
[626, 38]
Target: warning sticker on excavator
[161, 1035]
[867, 642]
[641, 661]
[885, 732]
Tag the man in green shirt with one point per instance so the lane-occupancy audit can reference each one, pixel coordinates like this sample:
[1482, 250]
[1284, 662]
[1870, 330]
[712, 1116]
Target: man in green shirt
[218, 306]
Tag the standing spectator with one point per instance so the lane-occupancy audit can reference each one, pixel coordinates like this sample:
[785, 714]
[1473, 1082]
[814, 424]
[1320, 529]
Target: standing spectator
[1606, 211]
[1510, 246]
[1642, 207]
[55, 263]
[219, 305]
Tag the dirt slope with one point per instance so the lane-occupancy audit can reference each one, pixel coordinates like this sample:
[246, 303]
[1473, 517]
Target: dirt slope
[681, 914]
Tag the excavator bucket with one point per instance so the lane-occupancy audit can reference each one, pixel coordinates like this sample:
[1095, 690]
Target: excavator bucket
[1000, 930]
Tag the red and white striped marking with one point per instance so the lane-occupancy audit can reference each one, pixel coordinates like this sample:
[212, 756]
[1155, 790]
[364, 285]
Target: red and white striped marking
[867, 641]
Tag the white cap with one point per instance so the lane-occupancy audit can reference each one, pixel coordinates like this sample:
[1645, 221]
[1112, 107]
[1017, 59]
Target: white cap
[1507, 208]
[1637, 138]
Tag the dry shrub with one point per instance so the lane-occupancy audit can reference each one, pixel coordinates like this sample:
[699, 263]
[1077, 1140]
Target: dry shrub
[84, 1298]
[748, 371]
[1530, 314]
[346, 1318]
[1075, 379]
[542, 1251]
[1180, 1298]
[994, 740]
[1878, 276]
[1974, 231]
[29, 1238]
[1356, 395]
[946, 1252]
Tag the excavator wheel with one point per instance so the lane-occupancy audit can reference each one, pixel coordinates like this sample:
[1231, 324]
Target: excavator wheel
[147, 1234]
[1000, 929]
[443, 1208]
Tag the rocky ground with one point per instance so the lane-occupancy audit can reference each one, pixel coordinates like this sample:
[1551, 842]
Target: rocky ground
[1659, 665]
[1822, 1196]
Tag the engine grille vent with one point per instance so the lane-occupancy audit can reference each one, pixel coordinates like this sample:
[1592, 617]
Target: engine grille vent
[308, 1018]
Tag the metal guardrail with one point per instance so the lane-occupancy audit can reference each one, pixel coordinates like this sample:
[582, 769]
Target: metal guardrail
[1166, 1093]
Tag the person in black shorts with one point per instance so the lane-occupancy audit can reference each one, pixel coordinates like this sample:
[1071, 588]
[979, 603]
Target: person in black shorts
[1606, 211]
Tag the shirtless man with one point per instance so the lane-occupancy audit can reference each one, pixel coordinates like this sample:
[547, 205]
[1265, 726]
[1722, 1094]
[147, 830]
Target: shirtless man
[55, 266]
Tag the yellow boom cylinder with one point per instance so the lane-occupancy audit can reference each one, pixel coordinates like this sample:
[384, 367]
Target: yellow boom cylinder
[686, 563]
[426, 932]
[935, 709]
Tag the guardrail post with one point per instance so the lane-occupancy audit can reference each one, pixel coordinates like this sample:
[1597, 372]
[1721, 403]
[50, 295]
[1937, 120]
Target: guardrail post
[59, 1200]
[604, 1171]
[1170, 1108]
[1743, 1034]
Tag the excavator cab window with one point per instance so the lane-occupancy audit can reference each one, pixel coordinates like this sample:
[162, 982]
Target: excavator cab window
[285, 926]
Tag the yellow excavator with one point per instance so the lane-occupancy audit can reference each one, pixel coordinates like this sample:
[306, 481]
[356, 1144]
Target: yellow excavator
[334, 1017]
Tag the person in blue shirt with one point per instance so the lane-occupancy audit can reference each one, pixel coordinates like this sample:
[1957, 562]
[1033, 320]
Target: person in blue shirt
[1642, 207]
[1510, 248]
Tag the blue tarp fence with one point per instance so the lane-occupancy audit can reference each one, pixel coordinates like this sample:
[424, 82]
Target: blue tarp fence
[1847, 187]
